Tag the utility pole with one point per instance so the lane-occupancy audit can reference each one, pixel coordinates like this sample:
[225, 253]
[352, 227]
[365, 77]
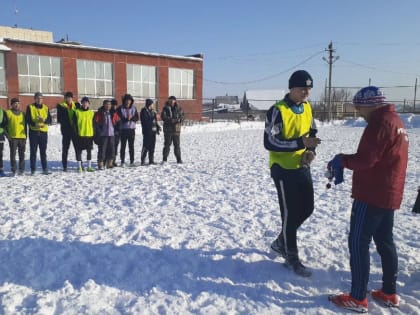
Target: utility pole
[331, 59]
[415, 95]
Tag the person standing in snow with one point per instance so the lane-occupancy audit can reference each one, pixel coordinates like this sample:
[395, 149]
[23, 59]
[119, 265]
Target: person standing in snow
[379, 170]
[104, 132]
[2, 139]
[150, 128]
[83, 120]
[117, 127]
[65, 112]
[129, 116]
[289, 136]
[16, 133]
[38, 118]
[172, 116]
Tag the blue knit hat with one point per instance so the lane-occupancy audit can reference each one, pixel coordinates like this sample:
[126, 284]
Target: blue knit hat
[369, 96]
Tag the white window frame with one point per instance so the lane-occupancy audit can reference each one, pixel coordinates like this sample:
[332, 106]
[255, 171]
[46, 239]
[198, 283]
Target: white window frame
[181, 83]
[3, 85]
[141, 81]
[37, 79]
[102, 75]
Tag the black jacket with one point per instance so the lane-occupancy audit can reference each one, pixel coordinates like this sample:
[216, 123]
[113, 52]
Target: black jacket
[64, 119]
[172, 117]
[149, 124]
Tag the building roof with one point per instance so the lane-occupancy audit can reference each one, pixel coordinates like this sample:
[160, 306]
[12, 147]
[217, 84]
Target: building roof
[226, 99]
[262, 99]
[197, 57]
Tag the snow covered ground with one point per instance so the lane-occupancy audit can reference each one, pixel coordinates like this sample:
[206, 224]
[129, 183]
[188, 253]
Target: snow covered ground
[190, 238]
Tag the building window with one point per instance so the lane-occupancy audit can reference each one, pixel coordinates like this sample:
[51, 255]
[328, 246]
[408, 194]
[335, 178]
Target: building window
[141, 81]
[2, 76]
[181, 83]
[94, 78]
[39, 74]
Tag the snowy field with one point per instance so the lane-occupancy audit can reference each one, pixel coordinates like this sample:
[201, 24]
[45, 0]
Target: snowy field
[191, 238]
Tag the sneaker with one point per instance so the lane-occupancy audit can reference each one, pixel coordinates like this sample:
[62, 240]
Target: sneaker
[45, 172]
[90, 169]
[278, 247]
[32, 172]
[179, 161]
[389, 300]
[2, 174]
[344, 300]
[293, 262]
[80, 169]
[122, 164]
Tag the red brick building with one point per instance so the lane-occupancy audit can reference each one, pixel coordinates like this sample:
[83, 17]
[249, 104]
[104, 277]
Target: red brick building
[28, 66]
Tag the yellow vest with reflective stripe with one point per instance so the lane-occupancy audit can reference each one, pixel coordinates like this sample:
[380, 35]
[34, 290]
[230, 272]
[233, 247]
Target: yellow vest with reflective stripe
[38, 112]
[84, 122]
[15, 125]
[294, 126]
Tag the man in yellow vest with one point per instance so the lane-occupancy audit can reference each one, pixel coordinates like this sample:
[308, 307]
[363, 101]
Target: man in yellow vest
[16, 132]
[2, 139]
[290, 137]
[38, 118]
[83, 120]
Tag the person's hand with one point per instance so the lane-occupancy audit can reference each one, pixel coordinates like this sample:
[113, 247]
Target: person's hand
[311, 142]
[336, 169]
[307, 158]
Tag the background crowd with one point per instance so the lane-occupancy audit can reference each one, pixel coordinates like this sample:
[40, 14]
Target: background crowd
[111, 128]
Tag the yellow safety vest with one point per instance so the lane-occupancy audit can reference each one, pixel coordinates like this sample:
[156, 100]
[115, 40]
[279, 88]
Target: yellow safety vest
[84, 122]
[294, 126]
[15, 125]
[38, 112]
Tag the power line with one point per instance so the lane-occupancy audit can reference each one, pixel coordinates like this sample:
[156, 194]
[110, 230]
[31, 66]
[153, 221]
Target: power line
[267, 77]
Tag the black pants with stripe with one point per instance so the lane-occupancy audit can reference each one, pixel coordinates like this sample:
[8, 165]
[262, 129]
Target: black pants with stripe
[296, 199]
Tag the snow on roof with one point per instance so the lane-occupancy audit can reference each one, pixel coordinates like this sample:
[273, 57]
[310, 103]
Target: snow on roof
[263, 99]
[104, 49]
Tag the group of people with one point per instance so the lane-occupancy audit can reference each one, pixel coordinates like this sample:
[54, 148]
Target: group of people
[112, 125]
[379, 171]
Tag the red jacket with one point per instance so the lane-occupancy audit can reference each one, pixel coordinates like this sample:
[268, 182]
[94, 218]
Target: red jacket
[380, 163]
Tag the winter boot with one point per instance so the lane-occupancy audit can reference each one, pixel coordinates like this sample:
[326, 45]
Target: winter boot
[100, 165]
[278, 247]
[293, 262]
[109, 163]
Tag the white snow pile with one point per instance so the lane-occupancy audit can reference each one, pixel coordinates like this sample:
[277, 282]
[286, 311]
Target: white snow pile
[191, 238]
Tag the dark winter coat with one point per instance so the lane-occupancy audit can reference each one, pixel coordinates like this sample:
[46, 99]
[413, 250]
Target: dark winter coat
[65, 117]
[172, 117]
[380, 163]
[149, 124]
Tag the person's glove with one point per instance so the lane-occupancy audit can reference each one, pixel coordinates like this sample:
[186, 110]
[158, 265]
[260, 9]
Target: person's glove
[336, 170]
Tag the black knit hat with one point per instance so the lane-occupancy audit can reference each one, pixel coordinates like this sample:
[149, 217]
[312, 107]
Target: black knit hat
[114, 102]
[172, 98]
[148, 102]
[85, 99]
[301, 78]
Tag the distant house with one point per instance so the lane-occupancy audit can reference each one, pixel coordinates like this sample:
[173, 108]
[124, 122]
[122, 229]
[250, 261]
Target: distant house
[231, 100]
[261, 100]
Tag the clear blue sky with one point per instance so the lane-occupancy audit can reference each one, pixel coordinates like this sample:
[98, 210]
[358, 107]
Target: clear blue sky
[248, 41]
